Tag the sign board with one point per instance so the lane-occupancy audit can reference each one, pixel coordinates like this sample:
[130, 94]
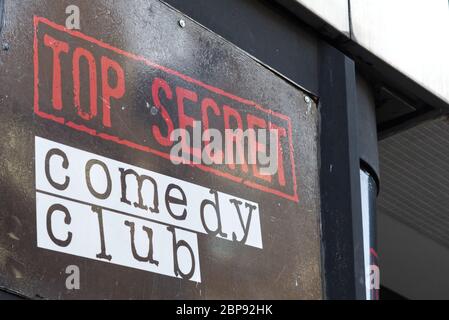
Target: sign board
[96, 203]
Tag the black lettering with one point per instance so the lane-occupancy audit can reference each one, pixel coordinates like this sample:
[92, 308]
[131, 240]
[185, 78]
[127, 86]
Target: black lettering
[102, 254]
[216, 206]
[149, 232]
[96, 194]
[176, 246]
[65, 165]
[140, 180]
[67, 220]
[172, 200]
[237, 204]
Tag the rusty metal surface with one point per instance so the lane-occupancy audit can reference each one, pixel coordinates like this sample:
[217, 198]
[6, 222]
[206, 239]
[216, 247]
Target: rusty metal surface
[288, 266]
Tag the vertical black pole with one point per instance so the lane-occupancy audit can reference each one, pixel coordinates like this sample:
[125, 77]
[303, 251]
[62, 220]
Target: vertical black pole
[340, 178]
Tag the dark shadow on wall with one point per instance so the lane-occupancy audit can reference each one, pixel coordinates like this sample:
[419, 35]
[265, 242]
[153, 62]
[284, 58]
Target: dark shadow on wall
[387, 294]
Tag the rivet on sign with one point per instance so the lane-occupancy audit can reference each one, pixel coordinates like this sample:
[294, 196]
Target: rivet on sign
[182, 23]
[153, 111]
[309, 103]
[307, 99]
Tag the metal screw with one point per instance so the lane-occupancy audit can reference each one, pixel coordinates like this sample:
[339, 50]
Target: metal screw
[5, 46]
[308, 103]
[307, 99]
[182, 23]
[153, 111]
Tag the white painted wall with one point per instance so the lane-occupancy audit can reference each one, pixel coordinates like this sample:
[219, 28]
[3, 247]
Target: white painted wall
[410, 263]
[334, 12]
[410, 35]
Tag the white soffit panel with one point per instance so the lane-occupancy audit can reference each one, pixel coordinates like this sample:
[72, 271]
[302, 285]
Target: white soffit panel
[334, 12]
[414, 167]
[410, 35]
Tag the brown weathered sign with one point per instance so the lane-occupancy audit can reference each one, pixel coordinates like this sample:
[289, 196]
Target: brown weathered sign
[96, 204]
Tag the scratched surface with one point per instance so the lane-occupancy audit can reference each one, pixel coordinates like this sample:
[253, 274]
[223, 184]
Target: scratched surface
[288, 267]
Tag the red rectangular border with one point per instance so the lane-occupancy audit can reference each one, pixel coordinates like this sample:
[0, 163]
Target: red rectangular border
[133, 145]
